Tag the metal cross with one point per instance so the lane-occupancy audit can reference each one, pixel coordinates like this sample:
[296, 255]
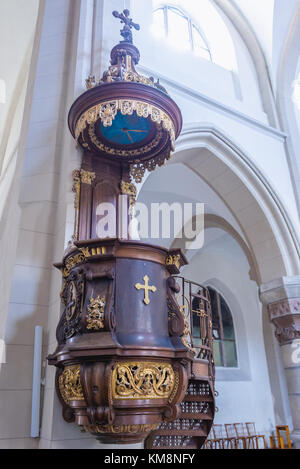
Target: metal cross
[128, 24]
[146, 287]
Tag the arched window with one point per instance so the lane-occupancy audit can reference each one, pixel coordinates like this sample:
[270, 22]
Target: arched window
[179, 29]
[223, 331]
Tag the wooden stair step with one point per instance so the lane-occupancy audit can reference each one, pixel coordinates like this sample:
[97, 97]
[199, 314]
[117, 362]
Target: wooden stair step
[196, 416]
[182, 432]
[179, 447]
[192, 398]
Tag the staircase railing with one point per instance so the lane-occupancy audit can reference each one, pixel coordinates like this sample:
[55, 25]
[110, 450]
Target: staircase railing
[194, 302]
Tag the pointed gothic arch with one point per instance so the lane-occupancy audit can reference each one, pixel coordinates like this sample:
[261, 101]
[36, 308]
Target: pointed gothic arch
[275, 246]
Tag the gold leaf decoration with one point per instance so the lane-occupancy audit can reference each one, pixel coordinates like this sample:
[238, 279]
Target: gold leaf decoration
[95, 317]
[108, 110]
[142, 380]
[174, 260]
[87, 177]
[70, 385]
[120, 428]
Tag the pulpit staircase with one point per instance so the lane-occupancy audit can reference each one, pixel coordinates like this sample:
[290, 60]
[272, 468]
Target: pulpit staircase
[192, 427]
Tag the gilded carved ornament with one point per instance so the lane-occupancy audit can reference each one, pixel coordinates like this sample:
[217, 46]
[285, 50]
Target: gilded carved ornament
[115, 73]
[108, 110]
[79, 176]
[72, 262]
[120, 428]
[143, 380]
[79, 258]
[128, 188]
[187, 334]
[87, 177]
[69, 384]
[139, 168]
[174, 260]
[95, 317]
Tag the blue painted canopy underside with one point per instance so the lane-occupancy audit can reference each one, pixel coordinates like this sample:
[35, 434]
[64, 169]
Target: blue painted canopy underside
[126, 130]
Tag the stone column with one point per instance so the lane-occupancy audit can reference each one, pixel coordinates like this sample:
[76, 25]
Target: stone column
[282, 297]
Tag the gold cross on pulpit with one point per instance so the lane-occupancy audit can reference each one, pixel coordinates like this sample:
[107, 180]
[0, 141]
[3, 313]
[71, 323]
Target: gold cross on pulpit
[146, 287]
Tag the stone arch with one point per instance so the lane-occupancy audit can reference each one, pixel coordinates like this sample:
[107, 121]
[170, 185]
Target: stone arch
[266, 227]
[215, 221]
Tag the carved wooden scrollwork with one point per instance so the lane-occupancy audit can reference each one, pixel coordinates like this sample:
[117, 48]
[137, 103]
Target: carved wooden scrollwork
[100, 315]
[96, 383]
[95, 316]
[142, 380]
[70, 384]
[72, 296]
[117, 429]
[176, 319]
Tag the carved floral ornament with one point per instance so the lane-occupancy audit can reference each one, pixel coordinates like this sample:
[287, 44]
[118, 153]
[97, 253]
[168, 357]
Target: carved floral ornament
[130, 380]
[80, 258]
[128, 188]
[132, 429]
[108, 110]
[138, 169]
[116, 73]
[174, 260]
[70, 385]
[143, 380]
[95, 317]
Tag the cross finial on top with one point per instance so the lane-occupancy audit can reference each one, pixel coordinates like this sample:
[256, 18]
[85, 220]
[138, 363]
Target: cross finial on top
[126, 32]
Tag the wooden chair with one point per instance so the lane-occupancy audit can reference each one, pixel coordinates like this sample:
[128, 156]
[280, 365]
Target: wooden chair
[217, 436]
[209, 443]
[248, 441]
[220, 439]
[276, 443]
[231, 433]
[283, 435]
[252, 433]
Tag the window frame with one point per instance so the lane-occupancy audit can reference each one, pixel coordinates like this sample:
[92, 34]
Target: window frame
[191, 24]
[222, 340]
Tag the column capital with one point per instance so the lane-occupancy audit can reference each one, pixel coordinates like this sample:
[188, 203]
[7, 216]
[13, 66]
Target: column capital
[280, 289]
[282, 298]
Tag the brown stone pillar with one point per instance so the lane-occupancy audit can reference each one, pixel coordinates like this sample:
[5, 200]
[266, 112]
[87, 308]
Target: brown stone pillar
[282, 297]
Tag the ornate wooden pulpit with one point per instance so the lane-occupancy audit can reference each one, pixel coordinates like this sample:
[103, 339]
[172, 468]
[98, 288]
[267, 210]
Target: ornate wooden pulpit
[123, 366]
